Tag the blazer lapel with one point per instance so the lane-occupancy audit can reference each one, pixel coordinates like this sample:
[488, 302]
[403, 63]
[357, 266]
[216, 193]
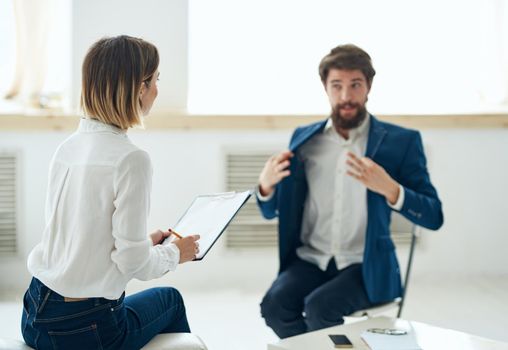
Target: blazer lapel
[306, 134]
[376, 134]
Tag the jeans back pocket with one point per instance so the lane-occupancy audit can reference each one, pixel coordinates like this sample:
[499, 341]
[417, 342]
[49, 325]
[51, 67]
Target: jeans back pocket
[76, 339]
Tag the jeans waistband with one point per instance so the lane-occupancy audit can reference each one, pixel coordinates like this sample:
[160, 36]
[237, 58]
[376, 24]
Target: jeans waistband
[40, 291]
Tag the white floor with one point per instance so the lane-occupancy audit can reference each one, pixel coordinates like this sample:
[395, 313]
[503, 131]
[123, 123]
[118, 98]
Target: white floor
[229, 319]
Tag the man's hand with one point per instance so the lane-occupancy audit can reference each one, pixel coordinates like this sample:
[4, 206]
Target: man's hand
[274, 171]
[189, 248]
[373, 176]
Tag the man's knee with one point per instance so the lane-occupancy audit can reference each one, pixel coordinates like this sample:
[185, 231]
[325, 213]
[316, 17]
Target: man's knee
[276, 305]
[319, 313]
[284, 318]
[270, 307]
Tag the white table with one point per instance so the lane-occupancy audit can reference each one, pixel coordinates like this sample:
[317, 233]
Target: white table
[429, 337]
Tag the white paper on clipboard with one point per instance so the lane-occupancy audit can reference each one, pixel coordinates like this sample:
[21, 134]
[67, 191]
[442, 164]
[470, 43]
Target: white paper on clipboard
[208, 216]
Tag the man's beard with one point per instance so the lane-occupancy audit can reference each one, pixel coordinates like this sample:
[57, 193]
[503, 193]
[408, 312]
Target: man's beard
[340, 122]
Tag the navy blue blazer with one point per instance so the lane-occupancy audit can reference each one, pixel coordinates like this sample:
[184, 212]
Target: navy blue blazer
[400, 152]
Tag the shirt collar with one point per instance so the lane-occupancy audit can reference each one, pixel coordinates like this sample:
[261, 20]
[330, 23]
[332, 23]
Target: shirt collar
[94, 125]
[359, 131]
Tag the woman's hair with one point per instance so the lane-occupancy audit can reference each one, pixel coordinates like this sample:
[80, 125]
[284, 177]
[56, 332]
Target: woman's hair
[113, 71]
[347, 57]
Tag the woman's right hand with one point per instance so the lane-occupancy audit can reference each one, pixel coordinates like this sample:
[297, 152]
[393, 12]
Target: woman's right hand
[189, 248]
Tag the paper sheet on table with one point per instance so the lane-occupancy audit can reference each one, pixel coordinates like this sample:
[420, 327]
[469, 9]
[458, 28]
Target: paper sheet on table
[391, 342]
[208, 216]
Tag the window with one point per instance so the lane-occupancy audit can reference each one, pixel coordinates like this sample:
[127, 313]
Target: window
[431, 57]
[7, 48]
[35, 41]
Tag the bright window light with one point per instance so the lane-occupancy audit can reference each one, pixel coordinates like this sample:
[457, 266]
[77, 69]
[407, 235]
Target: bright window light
[431, 57]
[50, 59]
[7, 46]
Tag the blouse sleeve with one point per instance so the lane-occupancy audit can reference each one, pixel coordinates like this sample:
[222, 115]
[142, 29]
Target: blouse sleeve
[133, 252]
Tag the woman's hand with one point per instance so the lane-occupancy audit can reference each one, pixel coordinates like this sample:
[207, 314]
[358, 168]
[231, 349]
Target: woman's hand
[159, 236]
[189, 247]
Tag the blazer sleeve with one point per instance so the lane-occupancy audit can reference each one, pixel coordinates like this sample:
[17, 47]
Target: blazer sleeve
[421, 202]
[270, 208]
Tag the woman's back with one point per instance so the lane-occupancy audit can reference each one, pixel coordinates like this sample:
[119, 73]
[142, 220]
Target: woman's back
[92, 173]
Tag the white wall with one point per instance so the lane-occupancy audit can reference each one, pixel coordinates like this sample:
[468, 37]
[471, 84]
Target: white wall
[162, 22]
[470, 170]
[468, 167]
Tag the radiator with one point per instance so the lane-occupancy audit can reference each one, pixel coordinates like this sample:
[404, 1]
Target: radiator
[8, 203]
[249, 229]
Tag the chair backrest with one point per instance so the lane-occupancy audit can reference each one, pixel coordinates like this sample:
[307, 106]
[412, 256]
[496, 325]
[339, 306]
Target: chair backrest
[400, 227]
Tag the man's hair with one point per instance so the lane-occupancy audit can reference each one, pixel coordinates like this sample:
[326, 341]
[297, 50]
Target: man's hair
[347, 57]
[112, 74]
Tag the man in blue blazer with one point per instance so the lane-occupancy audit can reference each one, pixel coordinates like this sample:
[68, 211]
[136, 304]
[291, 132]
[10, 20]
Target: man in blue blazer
[333, 192]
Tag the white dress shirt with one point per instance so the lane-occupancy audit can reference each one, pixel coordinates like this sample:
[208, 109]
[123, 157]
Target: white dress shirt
[334, 219]
[97, 206]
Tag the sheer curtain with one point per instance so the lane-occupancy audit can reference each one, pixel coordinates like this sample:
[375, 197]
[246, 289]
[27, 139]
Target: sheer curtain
[432, 57]
[35, 45]
[7, 49]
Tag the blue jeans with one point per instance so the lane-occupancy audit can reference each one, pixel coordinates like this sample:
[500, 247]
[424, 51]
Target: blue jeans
[50, 322]
[304, 298]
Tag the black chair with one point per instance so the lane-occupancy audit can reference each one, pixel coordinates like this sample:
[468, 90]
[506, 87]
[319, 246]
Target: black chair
[402, 227]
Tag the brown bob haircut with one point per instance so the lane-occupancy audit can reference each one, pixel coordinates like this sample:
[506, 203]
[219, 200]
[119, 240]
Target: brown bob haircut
[113, 71]
[347, 57]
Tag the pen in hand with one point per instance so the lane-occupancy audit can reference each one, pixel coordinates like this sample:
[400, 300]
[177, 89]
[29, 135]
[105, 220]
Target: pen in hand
[175, 234]
[188, 246]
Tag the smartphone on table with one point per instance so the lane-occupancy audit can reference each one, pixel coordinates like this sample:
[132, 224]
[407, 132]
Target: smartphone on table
[341, 341]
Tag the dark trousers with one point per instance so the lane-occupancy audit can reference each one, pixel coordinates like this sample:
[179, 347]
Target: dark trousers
[49, 322]
[304, 298]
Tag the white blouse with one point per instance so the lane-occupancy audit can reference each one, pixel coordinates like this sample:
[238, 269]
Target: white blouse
[97, 206]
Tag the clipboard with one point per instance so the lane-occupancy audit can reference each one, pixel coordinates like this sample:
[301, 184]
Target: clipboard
[208, 216]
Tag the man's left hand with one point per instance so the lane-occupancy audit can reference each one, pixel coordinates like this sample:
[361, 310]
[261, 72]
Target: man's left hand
[373, 176]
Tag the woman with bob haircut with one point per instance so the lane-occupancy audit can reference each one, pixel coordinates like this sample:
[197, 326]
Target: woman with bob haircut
[95, 239]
